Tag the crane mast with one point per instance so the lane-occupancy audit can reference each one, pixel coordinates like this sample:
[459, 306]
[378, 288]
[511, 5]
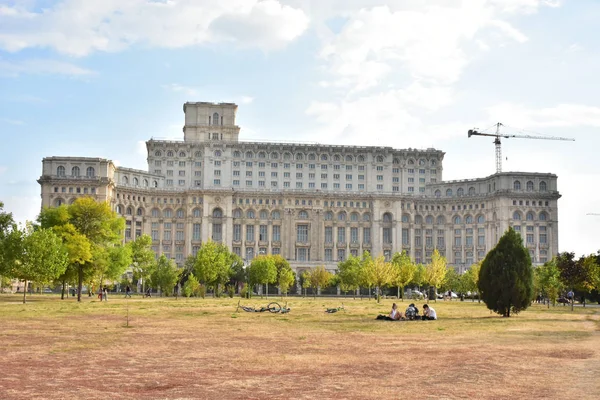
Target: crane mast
[498, 144]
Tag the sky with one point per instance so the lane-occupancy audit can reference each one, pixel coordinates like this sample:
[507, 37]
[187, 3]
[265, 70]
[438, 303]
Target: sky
[99, 78]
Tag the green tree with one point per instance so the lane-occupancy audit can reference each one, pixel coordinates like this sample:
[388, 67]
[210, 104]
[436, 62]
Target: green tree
[285, 275]
[435, 271]
[419, 276]
[319, 278]
[263, 271]
[452, 282]
[165, 275]
[574, 274]
[305, 277]
[404, 271]
[547, 280]
[349, 274]
[7, 225]
[381, 273]
[142, 258]
[506, 277]
[42, 256]
[365, 275]
[97, 223]
[191, 286]
[213, 266]
[470, 278]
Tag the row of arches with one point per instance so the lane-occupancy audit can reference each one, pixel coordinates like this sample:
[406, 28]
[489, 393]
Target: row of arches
[301, 156]
[90, 172]
[530, 187]
[136, 182]
[530, 216]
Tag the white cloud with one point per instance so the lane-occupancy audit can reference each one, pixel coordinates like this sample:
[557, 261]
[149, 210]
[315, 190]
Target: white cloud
[246, 99]
[175, 87]
[42, 67]
[11, 121]
[562, 115]
[79, 28]
[23, 208]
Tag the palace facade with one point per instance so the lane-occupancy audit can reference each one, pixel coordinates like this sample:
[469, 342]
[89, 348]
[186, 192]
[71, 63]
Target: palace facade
[314, 204]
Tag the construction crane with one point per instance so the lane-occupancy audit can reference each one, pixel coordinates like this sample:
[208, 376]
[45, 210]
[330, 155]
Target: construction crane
[498, 135]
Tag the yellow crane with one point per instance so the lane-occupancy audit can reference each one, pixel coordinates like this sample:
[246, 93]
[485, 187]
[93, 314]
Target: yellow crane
[497, 135]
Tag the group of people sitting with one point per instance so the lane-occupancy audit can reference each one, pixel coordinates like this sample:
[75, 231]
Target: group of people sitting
[411, 313]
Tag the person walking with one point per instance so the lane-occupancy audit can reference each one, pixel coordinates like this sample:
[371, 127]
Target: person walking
[127, 292]
[105, 293]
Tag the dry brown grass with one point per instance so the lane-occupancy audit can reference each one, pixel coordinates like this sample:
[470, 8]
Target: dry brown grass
[202, 349]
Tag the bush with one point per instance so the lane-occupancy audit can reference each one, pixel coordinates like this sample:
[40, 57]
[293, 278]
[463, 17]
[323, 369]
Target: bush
[230, 290]
[202, 291]
[244, 291]
[191, 287]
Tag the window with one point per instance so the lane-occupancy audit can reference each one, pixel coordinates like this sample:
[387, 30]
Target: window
[75, 171]
[529, 186]
[328, 234]
[456, 220]
[302, 215]
[276, 233]
[387, 235]
[517, 185]
[543, 216]
[542, 186]
[328, 255]
[517, 216]
[448, 192]
[342, 216]
[405, 237]
[529, 216]
[60, 171]
[302, 233]
[366, 235]
[250, 214]
[387, 217]
[250, 233]
[353, 235]
[262, 233]
[275, 215]
[180, 213]
[341, 235]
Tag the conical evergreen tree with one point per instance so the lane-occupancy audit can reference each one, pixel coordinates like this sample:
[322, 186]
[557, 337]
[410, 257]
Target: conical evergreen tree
[506, 276]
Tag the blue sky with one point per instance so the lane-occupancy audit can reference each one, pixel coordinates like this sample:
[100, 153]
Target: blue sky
[99, 78]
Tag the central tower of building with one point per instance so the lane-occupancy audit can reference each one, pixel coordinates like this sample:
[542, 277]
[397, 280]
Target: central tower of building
[206, 122]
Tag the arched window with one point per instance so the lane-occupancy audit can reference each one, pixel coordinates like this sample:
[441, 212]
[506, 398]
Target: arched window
[250, 214]
[90, 172]
[337, 157]
[215, 119]
[349, 158]
[129, 211]
[460, 192]
[264, 214]
[237, 213]
[366, 217]
[274, 156]
[396, 161]
[125, 180]
[517, 216]
[312, 157]
[468, 219]
[542, 186]
[197, 154]
[237, 154]
[136, 181]
[480, 219]
[170, 153]
[411, 162]
[418, 219]
[438, 193]
[341, 216]
[155, 184]
[429, 220]
[262, 154]
[180, 213]
[440, 220]
[361, 158]
[543, 216]
[120, 209]
[60, 171]
[405, 218]
[433, 163]
[328, 216]
[448, 192]
[529, 186]
[529, 216]
[157, 153]
[287, 156]
[155, 213]
[517, 185]
[471, 191]
[302, 215]
[379, 159]
[182, 154]
[299, 156]
[275, 215]
[75, 171]
[354, 217]
[145, 182]
[456, 220]
[196, 213]
[217, 213]
[249, 154]
[140, 211]
[168, 213]
[217, 153]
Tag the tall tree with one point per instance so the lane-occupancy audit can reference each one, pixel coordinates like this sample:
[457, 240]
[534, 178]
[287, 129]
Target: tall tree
[349, 274]
[319, 278]
[404, 271]
[165, 275]
[436, 270]
[365, 276]
[419, 276]
[547, 280]
[263, 271]
[7, 225]
[470, 279]
[285, 274]
[142, 258]
[381, 272]
[506, 277]
[573, 273]
[452, 282]
[42, 256]
[213, 264]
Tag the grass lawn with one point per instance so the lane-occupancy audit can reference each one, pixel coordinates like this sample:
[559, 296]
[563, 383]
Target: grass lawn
[203, 349]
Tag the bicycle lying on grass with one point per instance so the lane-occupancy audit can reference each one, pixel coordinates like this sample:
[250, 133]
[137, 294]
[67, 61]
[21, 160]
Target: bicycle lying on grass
[334, 310]
[272, 307]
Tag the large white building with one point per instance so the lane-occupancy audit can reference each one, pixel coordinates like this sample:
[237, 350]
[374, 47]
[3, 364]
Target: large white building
[315, 204]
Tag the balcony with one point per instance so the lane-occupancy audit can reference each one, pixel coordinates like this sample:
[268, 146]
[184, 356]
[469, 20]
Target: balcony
[263, 243]
[366, 245]
[341, 245]
[302, 244]
[388, 246]
[354, 244]
[166, 242]
[180, 242]
[276, 243]
[328, 245]
[249, 243]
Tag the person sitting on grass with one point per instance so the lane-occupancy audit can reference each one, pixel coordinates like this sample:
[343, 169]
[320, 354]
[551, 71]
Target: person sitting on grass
[394, 314]
[428, 313]
[412, 312]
